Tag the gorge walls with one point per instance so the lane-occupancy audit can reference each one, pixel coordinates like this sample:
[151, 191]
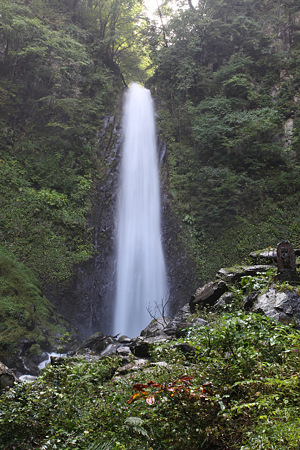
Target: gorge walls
[88, 300]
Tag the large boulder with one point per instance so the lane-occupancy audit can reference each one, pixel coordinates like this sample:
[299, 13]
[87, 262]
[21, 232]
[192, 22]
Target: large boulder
[97, 343]
[141, 346]
[156, 327]
[7, 378]
[181, 321]
[123, 351]
[124, 339]
[283, 307]
[224, 301]
[208, 294]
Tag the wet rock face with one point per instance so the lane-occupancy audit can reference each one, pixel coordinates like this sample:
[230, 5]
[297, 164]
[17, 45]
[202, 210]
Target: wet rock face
[181, 268]
[26, 357]
[88, 300]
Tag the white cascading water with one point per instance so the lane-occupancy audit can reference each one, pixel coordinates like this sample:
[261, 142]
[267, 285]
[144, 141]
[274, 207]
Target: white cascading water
[141, 273]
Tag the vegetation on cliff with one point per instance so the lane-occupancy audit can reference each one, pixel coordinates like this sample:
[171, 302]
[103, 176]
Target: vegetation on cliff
[62, 64]
[227, 74]
[226, 78]
[29, 323]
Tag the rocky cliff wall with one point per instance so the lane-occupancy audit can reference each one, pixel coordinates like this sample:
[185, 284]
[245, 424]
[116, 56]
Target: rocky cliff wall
[88, 300]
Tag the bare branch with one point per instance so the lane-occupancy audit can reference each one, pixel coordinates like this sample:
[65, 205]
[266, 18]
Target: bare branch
[160, 309]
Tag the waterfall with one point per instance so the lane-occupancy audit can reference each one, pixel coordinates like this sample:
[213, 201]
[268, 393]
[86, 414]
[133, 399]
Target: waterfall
[141, 274]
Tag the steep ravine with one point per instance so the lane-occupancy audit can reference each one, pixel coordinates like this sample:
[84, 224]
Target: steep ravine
[88, 300]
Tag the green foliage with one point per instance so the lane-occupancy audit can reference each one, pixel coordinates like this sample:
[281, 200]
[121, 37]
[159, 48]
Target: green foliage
[240, 390]
[59, 78]
[228, 79]
[135, 424]
[74, 405]
[258, 282]
[44, 227]
[63, 68]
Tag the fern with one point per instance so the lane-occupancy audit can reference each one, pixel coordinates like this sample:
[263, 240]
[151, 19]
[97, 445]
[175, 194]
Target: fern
[46, 446]
[101, 446]
[136, 424]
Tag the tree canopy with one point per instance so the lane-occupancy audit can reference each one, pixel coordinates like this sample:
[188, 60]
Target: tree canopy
[228, 76]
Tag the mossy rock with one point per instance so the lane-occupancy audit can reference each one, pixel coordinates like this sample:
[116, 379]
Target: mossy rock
[232, 274]
[26, 316]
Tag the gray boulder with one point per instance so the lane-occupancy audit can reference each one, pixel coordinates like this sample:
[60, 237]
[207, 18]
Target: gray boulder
[223, 301]
[208, 294]
[141, 346]
[111, 348]
[123, 351]
[156, 327]
[97, 343]
[124, 339]
[7, 378]
[182, 320]
[283, 307]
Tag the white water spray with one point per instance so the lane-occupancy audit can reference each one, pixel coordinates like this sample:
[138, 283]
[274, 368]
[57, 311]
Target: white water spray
[141, 274]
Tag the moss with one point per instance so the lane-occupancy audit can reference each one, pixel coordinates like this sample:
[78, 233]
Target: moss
[35, 350]
[25, 313]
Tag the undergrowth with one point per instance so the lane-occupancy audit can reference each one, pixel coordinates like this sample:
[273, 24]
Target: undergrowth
[237, 390]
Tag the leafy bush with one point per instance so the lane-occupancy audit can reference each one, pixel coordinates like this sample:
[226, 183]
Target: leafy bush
[240, 391]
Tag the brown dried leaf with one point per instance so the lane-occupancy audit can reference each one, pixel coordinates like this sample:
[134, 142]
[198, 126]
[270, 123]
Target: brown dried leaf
[136, 396]
[139, 387]
[202, 397]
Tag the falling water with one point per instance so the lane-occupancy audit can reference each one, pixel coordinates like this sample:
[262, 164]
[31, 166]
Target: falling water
[141, 274]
